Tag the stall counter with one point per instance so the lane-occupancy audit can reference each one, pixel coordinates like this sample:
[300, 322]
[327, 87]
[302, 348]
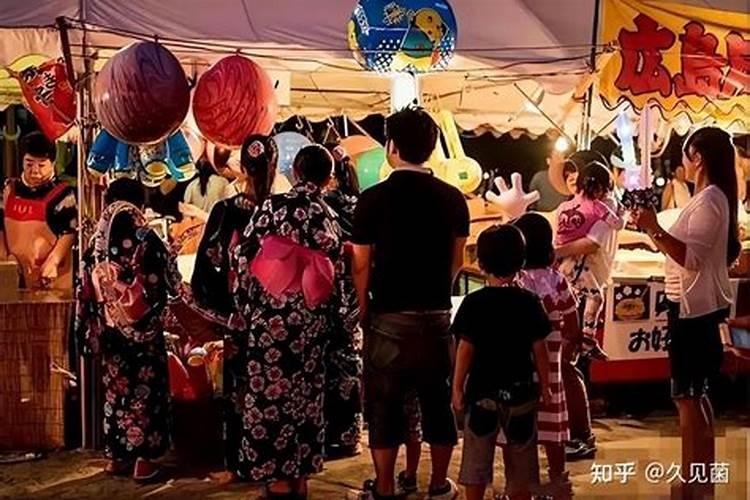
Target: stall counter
[34, 328]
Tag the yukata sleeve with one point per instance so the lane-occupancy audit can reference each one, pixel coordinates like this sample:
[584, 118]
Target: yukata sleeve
[88, 324]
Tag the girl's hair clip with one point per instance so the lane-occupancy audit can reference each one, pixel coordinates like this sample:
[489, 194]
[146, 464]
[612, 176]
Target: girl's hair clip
[255, 149]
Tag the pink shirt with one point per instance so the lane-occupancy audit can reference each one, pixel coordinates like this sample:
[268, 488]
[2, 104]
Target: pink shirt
[576, 217]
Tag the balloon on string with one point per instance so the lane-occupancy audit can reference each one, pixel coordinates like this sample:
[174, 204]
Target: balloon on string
[141, 95]
[102, 154]
[358, 144]
[289, 144]
[368, 168]
[233, 99]
[402, 35]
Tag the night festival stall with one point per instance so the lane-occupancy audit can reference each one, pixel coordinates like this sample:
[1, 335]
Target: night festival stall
[540, 72]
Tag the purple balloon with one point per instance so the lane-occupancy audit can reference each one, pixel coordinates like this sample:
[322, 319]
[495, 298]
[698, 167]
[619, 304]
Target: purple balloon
[141, 94]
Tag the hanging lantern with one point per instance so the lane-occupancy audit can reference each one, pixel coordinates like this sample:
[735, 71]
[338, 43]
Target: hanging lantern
[416, 36]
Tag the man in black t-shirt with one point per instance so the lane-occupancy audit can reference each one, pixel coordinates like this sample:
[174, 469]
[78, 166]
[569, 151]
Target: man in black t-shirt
[409, 234]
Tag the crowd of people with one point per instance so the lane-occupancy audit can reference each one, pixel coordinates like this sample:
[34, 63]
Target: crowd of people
[335, 309]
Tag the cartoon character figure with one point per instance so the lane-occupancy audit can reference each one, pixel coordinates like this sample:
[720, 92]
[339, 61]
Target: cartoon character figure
[571, 220]
[419, 47]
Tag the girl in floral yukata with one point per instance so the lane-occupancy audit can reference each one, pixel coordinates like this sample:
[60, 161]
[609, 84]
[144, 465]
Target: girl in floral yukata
[343, 398]
[126, 278]
[211, 280]
[289, 270]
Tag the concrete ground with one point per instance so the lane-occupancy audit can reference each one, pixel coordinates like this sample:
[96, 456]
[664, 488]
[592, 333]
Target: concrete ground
[77, 474]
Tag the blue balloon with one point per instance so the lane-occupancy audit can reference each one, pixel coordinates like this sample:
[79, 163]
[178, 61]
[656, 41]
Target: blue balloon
[102, 155]
[415, 36]
[289, 144]
[179, 150]
[126, 158]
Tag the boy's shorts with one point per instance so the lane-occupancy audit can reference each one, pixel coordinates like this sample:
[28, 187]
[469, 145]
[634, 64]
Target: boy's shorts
[519, 454]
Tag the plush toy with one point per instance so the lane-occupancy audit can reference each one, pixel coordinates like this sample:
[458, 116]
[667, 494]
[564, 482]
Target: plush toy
[512, 201]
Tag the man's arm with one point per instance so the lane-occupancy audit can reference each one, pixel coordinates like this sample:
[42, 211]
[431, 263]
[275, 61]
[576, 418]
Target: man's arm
[361, 263]
[57, 255]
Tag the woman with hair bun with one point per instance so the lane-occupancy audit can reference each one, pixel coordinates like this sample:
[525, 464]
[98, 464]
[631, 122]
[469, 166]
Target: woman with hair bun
[289, 271]
[343, 400]
[211, 277]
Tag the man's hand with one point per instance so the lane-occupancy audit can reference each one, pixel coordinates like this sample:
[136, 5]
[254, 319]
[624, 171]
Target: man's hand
[49, 271]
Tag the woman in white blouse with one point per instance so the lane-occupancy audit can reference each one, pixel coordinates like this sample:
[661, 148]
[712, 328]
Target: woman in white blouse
[699, 247]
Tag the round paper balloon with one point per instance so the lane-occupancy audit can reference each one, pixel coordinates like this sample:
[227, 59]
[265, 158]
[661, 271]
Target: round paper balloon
[355, 145]
[233, 99]
[368, 167]
[289, 144]
[141, 94]
[402, 35]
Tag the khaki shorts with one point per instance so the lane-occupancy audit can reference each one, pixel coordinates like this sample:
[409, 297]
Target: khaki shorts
[520, 455]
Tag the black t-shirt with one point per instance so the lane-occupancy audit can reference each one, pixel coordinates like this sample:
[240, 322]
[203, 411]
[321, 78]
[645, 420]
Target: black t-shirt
[412, 220]
[502, 323]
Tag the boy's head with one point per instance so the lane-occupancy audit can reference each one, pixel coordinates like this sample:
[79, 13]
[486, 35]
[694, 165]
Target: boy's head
[411, 135]
[537, 232]
[38, 157]
[501, 251]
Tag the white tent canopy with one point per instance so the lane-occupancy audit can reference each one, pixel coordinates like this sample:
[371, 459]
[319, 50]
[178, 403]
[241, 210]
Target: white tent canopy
[506, 48]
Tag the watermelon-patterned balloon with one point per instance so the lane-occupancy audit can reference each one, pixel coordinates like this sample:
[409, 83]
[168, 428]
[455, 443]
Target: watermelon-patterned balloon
[141, 94]
[416, 36]
[234, 99]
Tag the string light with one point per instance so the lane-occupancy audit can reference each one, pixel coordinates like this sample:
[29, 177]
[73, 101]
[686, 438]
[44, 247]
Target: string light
[561, 144]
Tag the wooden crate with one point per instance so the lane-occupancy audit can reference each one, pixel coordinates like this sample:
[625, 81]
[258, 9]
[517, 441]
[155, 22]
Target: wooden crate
[33, 338]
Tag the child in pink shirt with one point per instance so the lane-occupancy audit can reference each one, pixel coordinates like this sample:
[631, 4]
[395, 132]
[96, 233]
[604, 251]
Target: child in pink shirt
[586, 242]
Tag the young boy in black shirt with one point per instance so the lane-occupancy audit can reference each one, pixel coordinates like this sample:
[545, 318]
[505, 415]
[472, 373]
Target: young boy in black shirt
[501, 329]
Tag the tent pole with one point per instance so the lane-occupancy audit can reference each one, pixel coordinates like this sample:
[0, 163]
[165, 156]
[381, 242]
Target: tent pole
[541, 112]
[584, 136]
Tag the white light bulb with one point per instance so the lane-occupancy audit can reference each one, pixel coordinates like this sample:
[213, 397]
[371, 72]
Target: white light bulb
[660, 181]
[561, 144]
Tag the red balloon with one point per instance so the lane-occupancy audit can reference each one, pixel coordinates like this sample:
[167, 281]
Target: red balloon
[141, 95]
[233, 99]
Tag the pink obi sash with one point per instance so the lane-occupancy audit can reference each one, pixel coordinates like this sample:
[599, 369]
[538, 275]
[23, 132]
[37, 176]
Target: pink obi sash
[284, 267]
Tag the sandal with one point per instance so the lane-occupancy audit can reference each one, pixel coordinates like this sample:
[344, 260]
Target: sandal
[145, 471]
[118, 468]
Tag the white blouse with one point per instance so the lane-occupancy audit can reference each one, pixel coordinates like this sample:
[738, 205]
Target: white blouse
[702, 285]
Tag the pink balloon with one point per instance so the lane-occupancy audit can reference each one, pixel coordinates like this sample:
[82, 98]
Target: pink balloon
[233, 99]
